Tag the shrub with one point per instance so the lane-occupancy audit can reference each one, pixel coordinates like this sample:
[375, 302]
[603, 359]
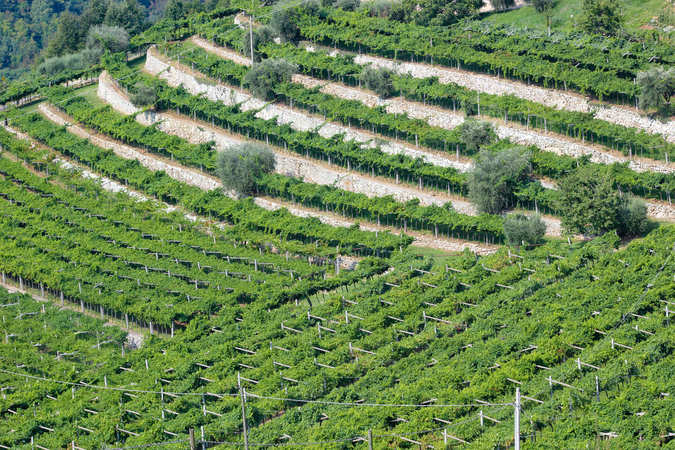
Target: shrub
[266, 75]
[523, 230]
[377, 80]
[495, 177]
[240, 167]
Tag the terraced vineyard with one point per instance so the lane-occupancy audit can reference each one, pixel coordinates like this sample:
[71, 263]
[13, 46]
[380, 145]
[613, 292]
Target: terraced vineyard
[357, 298]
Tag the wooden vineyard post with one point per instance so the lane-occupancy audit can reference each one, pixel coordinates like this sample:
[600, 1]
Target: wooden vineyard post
[192, 439]
[370, 439]
[516, 427]
[242, 395]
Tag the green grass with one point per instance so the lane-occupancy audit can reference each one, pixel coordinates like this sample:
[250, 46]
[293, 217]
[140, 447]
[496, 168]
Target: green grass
[566, 15]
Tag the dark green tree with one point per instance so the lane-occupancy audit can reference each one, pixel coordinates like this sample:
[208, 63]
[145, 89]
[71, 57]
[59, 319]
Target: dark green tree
[523, 230]
[601, 17]
[69, 36]
[127, 14]
[495, 177]
[589, 204]
[241, 166]
[266, 75]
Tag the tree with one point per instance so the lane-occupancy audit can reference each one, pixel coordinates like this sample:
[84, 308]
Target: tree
[347, 5]
[127, 14]
[589, 203]
[94, 14]
[261, 36]
[523, 230]
[241, 166]
[633, 217]
[285, 14]
[266, 75]
[476, 134]
[105, 37]
[378, 80]
[68, 37]
[601, 17]
[657, 86]
[545, 7]
[495, 177]
[144, 95]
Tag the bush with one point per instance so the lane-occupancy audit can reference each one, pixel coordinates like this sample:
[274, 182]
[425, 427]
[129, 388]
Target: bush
[377, 80]
[476, 134]
[105, 37]
[266, 75]
[495, 177]
[523, 230]
[241, 166]
[144, 95]
[261, 36]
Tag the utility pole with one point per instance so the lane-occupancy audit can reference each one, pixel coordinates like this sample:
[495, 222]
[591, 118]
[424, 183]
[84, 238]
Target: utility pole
[516, 427]
[242, 395]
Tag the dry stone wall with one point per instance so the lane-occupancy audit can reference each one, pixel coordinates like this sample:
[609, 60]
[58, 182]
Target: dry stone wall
[628, 117]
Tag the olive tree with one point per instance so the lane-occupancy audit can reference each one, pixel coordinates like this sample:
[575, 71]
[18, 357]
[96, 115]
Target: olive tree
[377, 80]
[241, 166]
[657, 86]
[105, 37]
[266, 75]
[495, 177]
[143, 95]
[524, 230]
[261, 36]
[476, 134]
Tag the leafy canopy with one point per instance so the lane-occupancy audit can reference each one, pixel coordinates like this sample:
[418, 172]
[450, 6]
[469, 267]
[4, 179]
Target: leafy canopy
[523, 230]
[601, 17]
[495, 177]
[240, 167]
[264, 77]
